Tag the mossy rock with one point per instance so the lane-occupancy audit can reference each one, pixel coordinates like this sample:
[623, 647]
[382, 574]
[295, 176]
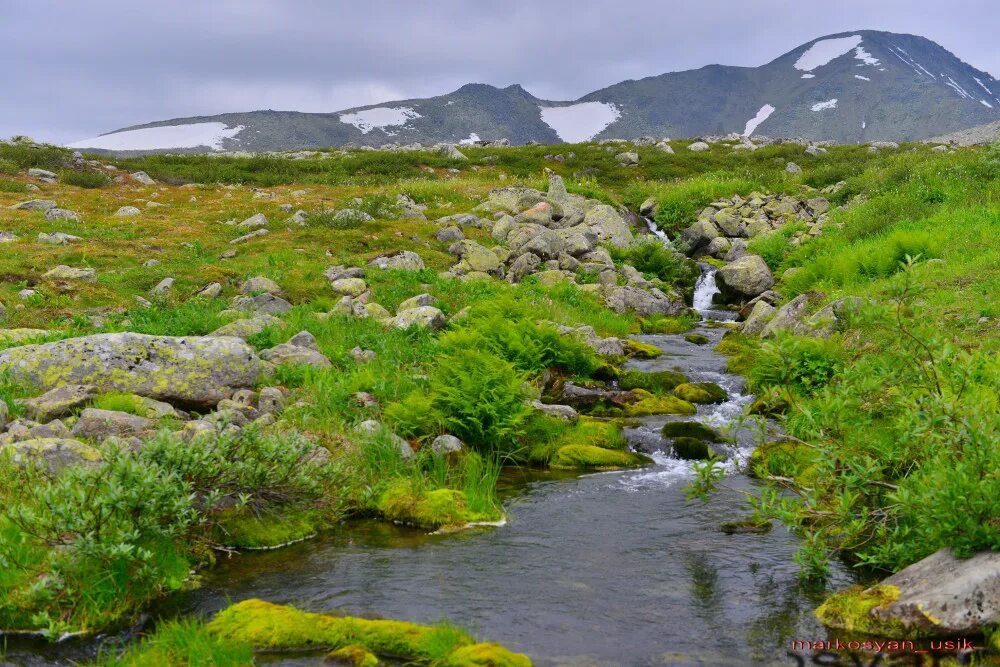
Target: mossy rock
[749, 525]
[586, 431]
[692, 449]
[771, 403]
[352, 656]
[782, 458]
[701, 392]
[656, 382]
[573, 457]
[605, 373]
[641, 350]
[690, 429]
[649, 404]
[272, 627]
[440, 508]
[697, 339]
[851, 610]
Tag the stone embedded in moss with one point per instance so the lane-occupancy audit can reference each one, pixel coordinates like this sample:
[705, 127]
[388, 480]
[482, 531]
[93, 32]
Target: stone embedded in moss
[701, 392]
[851, 610]
[692, 449]
[690, 429]
[657, 381]
[273, 627]
[352, 656]
[697, 339]
[572, 457]
[641, 350]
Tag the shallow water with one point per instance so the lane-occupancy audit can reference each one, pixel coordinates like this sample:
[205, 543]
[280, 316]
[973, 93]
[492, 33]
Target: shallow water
[605, 569]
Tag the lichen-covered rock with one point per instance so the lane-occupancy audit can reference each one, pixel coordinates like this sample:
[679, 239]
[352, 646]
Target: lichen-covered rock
[475, 257]
[788, 317]
[349, 286]
[444, 445]
[643, 302]
[188, 369]
[300, 350]
[247, 327]
[745, 278]
[259, 285]
[53, 454]
[127, 212]
[68, 274]
[262, 304]
[417, 301]
[759, 317]
[59, 402]
[404, 260]
[564, 412]
[99, 425]
[609, 225]
[427, 317]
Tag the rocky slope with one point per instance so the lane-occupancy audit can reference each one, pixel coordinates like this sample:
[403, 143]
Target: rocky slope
[850, 87]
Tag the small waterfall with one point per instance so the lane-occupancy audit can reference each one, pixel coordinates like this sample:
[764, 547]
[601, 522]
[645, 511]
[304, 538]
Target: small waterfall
[659, 233]
[705, 289]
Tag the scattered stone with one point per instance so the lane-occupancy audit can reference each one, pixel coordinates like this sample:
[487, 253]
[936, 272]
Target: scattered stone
[99, 425]
[163, 287]
[427, 317]
[449, 234]
[564, 412]
[43, 174]
[143, 177]
[300, 350]
[249, 237]
[354, 287]
[53, 454]
[255, 221]
[628, 159]
[63, 273]
[35, 205]
[127, 212]
[405, 260]
[361, 355]
[210, 291]
[698, 146]
[260, 285]
[61, 214]
[745, 278]
[265, 304]
[59, 402]
[57, 238]
[443, 445]
[417, 301]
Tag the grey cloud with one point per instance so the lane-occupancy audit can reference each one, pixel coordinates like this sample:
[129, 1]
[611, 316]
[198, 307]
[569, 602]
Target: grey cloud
[73, 70]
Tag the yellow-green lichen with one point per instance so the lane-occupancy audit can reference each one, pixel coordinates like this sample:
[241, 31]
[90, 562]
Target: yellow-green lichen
[275, 627]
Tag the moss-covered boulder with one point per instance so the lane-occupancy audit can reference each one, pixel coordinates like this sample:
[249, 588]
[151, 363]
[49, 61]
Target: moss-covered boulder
[692, 449]
[51, 454]
[186, 369]
[648, 404]
[351, 656]
[690, 429]
[854, 610]
[571, 457]
[701, 392]
[273, 627]
[655, 382]
[641, 350]
[697, 339]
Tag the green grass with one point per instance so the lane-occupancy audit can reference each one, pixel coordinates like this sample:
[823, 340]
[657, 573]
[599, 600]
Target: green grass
[180, 643]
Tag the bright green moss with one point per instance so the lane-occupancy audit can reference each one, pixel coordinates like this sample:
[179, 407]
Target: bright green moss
[276, 627]
[122, 402]
[590, 456]
[656, 382]
[440, 508]
[641, 350]
[352, 656]
[243, 529]
[700, 392]
[697, 339]
[184, 643]
[658, 405]
[851, 610]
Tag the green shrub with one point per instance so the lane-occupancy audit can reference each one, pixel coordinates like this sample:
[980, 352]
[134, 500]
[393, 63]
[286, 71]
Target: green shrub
[82, 178]
[12, 186]
[181, 643]
[26, 155]
[800, 363]
[7, 166]
[654, 260]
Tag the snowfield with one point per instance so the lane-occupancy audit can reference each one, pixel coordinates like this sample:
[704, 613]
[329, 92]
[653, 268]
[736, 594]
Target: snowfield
[829, 104]
[191, 135]
[367, 120]
[580, 122]
[824, 51]
[762, 114]
[471, 139]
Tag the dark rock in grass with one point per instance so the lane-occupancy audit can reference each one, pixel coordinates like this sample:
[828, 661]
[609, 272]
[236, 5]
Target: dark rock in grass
[692, 449]
[690, 429]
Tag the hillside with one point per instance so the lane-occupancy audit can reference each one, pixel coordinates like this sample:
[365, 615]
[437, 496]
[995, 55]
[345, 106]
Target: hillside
[848, 88]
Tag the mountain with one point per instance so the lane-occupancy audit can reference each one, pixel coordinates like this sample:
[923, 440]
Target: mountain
[850, 87]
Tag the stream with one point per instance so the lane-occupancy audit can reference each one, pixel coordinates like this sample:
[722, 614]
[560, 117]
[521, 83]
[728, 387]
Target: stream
[595, 570]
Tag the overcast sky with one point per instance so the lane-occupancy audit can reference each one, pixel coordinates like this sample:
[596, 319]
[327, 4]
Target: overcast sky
[72, 70]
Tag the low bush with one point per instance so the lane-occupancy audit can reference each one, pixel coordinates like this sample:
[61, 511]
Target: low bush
[83, 178]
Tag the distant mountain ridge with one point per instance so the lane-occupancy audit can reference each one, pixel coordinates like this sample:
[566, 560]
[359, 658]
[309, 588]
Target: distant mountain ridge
[849, 87]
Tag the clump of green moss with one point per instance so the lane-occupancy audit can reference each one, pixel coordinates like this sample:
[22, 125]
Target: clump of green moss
[641, 350]
[851, 610]
[655, 382]
[241, 528]
[691, 449]
[648, 404]
[697, 339]
[275, 627]
[690, 429]
[598, 458]
[352, 656]
[407, 502]
[701, 392]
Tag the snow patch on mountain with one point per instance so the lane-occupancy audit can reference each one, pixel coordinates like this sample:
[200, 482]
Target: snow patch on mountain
[985, 103]
[762, 114]
[863, 78]
[983, 85]
[865, 57]
[580, 122]
[191, 135]
[367, 120]
[957, 88]
[825, 50]
[829, 104]
[808, 76]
